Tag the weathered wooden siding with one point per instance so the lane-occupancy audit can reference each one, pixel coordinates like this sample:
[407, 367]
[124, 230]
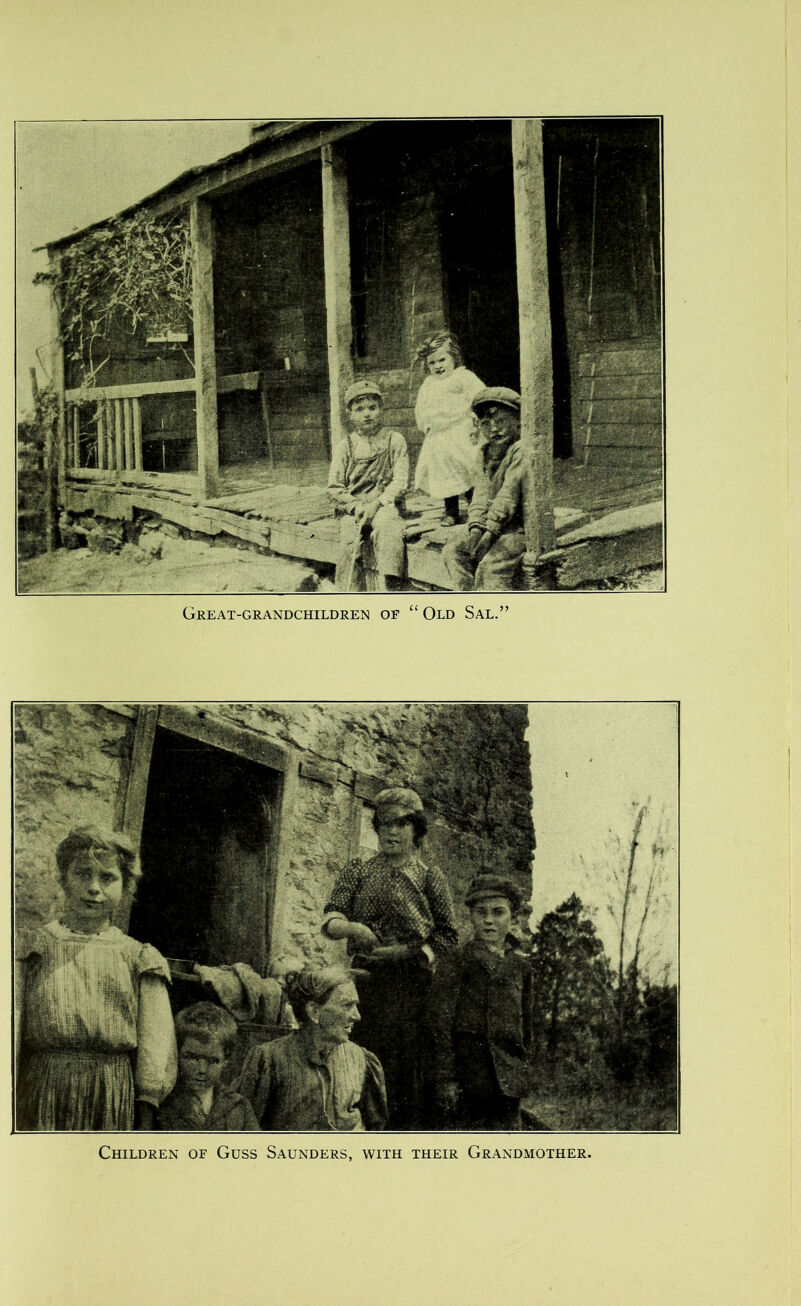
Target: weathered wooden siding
[269, 294]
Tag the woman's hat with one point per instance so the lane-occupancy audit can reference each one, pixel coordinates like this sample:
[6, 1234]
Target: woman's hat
[357, 389]
[395, 803]
[496, 394]
[494, 886]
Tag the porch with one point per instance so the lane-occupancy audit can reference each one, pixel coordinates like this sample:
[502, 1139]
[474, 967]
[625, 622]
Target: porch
[320, 255]
[602, 526]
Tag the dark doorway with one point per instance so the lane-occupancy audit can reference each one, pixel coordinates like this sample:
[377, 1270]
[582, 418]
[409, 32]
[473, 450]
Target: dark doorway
[205, 889]
[478, 255]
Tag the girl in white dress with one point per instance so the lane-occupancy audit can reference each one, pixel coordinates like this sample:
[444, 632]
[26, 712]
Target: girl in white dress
[448, 462]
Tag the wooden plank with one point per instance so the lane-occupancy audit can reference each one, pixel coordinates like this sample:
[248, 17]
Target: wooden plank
[180, 514]
[103, 503]
[322, 772]
[282, 845]
[603, 559]
[130, 809]
[626, 411]
[135, 792]
[237, 381]
[174, 483]
[240, 501]
[76, 436]
[128, 420]
[111, 459]
[623, 436]
[298, 542]
[119, 436]
[336, 260]
[643, 385]
[89, 474]
[55, 450]
[137, 420]
[368, 787]
[265, 417]
[536, 355]
[623, 362]
[131, 390]
[229, 384]
[208, 455]
[195, 723]
[239, 527]
[425, 565]
[641, 517]
[101, 436]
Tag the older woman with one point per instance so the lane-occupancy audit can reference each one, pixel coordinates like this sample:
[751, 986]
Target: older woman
[397, 915]
[315, 1078]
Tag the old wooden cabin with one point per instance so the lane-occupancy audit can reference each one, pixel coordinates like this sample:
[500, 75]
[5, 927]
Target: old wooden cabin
[326, 250]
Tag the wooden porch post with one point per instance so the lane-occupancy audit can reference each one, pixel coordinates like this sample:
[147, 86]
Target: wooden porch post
[55, 449]
[336, 257]
[208, 453]
[536, 356]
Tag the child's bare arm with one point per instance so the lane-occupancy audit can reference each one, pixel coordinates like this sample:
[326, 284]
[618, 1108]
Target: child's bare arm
[156, 1056]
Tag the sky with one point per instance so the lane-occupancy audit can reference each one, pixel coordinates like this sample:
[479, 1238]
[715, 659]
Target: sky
[591, 762]
[70, 174]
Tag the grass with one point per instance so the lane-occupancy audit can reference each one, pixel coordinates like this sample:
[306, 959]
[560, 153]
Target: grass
[644, 1107]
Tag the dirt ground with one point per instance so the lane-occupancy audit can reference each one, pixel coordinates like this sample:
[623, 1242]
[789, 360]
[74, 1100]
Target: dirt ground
[183, 566]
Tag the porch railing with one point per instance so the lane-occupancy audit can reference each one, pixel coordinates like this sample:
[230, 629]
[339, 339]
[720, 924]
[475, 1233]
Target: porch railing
[114, 445]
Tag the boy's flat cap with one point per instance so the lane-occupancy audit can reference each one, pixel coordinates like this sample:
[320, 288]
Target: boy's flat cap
[497, 394]
[494, 886]
[357, 389]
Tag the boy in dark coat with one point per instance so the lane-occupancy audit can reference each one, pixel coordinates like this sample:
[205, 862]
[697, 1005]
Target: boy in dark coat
[206, 1035]
[481, 1016]
[487, 552]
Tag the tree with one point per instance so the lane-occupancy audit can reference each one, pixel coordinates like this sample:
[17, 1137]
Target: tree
[572, 983]
[630, 871]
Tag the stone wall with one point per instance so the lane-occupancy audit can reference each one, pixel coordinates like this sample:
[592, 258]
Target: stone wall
[31, 537]
[469, 762]
[69, 761]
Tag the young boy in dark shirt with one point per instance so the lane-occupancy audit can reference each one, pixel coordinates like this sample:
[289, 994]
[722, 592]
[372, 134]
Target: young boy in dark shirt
[206, 1035]
[481, 1016]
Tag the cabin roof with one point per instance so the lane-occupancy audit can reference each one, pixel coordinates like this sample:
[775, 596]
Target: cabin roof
[270, 136]
[265, 135]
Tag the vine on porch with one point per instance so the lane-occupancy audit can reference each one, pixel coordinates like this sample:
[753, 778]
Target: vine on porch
[133, 272]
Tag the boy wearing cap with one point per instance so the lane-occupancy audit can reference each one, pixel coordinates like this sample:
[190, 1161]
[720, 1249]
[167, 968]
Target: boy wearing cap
[481, 1011]
[369, 474]
[485, 554]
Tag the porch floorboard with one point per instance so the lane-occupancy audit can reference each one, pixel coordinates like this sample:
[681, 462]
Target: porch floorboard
[297, 520]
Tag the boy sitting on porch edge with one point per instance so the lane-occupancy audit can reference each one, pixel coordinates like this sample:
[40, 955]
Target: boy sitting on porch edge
[369, 474]
[487, 552]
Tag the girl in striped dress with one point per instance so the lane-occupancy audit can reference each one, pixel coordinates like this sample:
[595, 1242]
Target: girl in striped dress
[95, 1038]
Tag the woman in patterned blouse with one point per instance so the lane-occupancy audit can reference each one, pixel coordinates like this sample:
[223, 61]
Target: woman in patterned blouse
[396, 914]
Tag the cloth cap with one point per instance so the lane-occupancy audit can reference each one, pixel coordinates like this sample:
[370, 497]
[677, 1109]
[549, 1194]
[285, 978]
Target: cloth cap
[496, 394]
[357, 389]
[395, 803]
[493, 886]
